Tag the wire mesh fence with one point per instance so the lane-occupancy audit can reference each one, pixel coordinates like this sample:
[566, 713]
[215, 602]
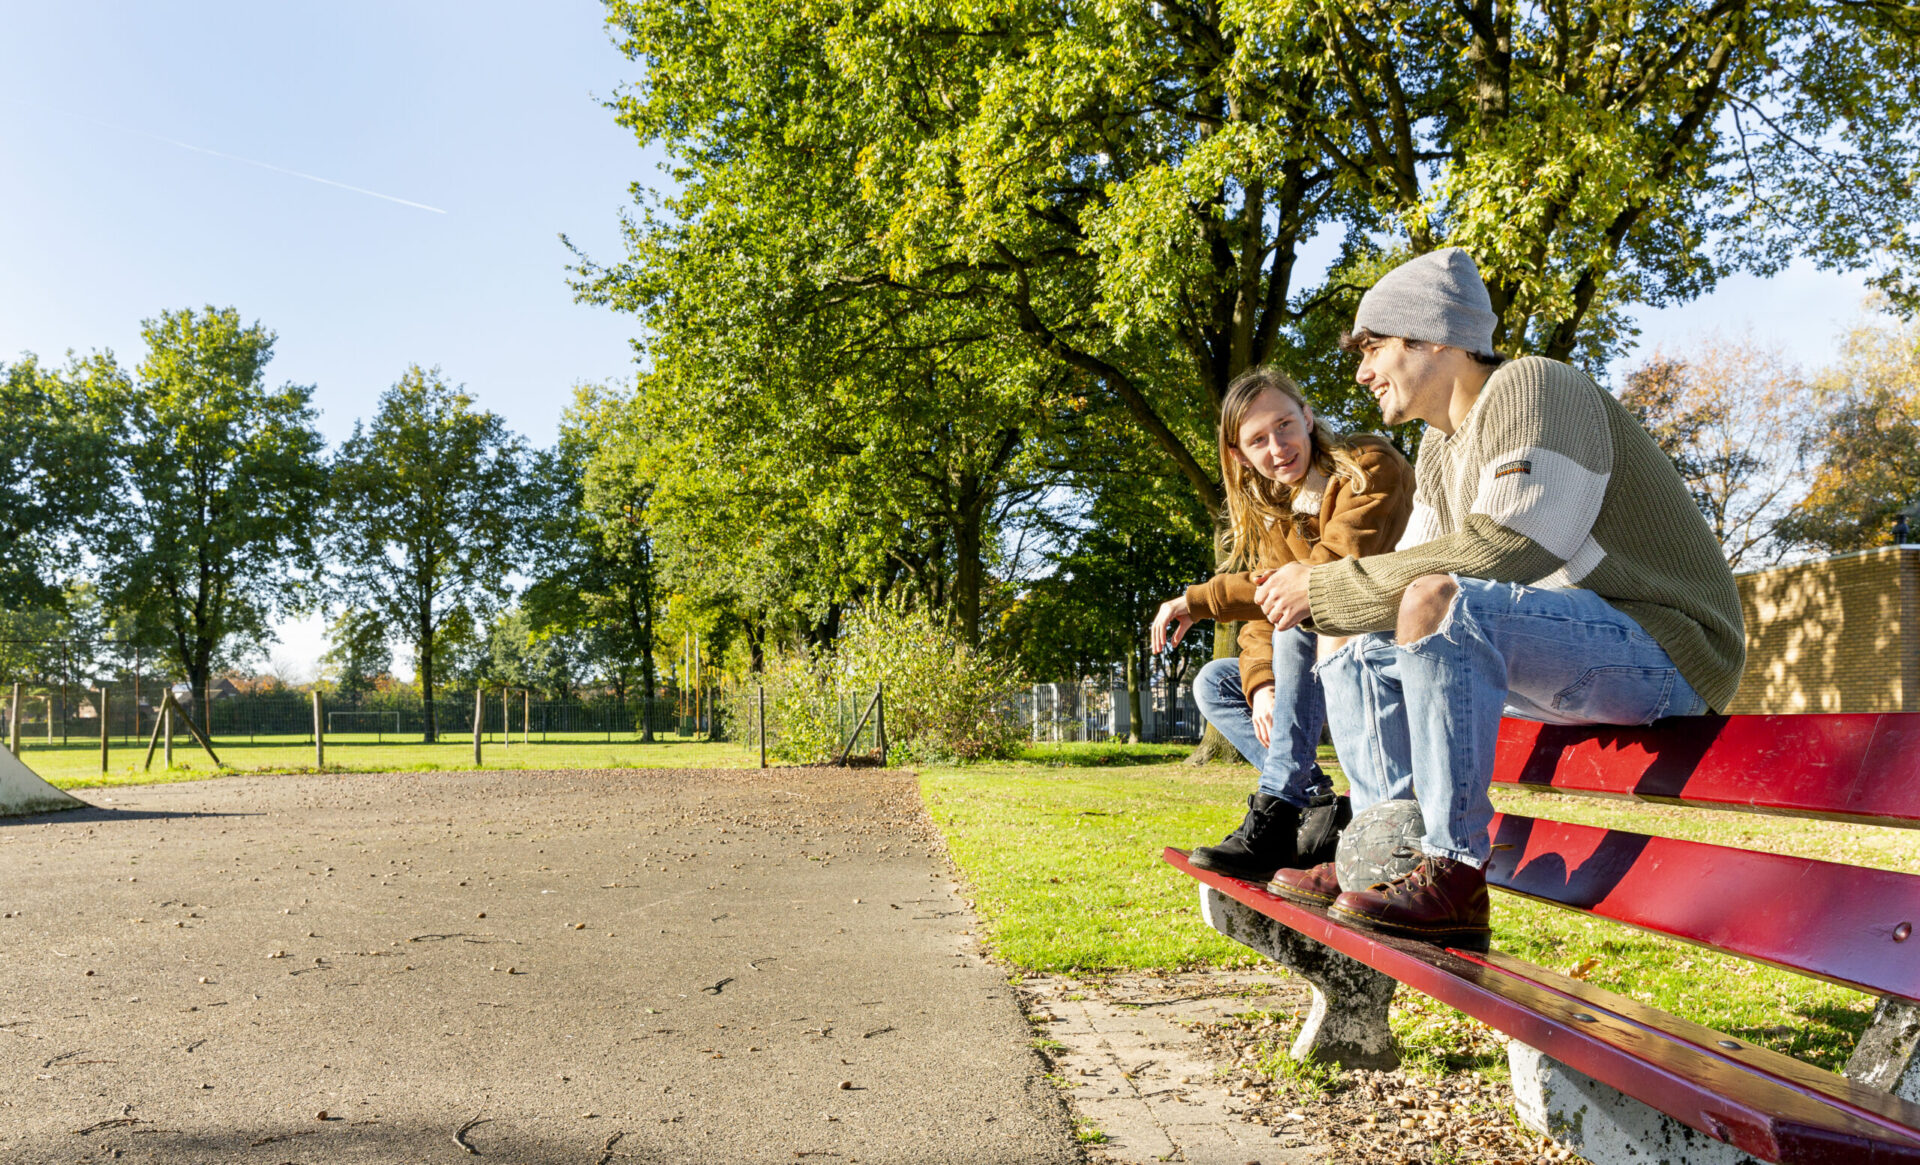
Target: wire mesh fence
[52, 715]
[1101, 711]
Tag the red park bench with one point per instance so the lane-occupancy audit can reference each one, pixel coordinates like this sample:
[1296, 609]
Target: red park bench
[1608, 1076]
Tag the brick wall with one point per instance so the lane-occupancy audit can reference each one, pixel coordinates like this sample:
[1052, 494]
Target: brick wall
[1837, 634]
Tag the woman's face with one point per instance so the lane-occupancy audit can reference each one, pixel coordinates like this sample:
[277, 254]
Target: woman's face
[1276, 439]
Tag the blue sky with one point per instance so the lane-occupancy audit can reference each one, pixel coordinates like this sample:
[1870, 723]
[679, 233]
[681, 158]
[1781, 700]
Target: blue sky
[486, 112]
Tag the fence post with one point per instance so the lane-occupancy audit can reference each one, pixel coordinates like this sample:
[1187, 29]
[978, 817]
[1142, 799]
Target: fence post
[166, 716]
[13, 723]
[506, 718]
[880, 721]
[479, 716]
[319, 734]
[763, 726]
[105, 737]
[526, 715]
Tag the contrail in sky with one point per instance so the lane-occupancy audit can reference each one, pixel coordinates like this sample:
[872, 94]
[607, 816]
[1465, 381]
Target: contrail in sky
[237, 158]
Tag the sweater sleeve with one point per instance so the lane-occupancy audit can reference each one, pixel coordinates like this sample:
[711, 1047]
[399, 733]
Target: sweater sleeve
[1225, 597]
[1256, 656]
[1538, 457]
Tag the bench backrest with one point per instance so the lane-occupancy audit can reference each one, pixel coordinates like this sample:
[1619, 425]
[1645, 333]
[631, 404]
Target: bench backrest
[1847, 924]
[1856, 767]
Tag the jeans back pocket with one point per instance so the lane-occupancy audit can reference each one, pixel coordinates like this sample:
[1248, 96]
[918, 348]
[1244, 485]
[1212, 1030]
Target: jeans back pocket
[1617, 695]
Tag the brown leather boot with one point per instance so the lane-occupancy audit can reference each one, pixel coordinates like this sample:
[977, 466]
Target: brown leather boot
[1441, 901]
[1317, 886]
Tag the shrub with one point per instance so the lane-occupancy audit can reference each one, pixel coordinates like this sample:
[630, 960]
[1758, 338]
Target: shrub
[943, 698]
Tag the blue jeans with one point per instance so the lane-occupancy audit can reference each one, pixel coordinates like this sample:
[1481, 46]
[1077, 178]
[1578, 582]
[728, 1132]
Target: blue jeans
[1287, 769]
[1421, 720]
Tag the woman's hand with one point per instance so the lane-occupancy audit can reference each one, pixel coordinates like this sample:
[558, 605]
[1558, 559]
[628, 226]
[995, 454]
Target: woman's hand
[1262, 705]
[1176, 612]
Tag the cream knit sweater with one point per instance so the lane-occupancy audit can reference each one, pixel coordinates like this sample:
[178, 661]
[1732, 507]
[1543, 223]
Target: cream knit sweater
[1549, 481]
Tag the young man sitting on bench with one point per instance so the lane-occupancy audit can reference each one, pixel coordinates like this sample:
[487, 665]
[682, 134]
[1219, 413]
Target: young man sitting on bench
[1555, 568]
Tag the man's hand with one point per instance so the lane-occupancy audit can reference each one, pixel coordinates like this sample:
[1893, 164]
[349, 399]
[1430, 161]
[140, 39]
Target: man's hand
[1262, 705]
[1283, 596]
[1176, 612]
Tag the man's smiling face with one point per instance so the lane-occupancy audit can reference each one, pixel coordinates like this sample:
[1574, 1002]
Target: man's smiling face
[1409, 380]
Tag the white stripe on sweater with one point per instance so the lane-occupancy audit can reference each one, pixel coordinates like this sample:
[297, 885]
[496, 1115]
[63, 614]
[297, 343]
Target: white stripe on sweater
[1539, 494]
[1576, 568]
[1423, 525]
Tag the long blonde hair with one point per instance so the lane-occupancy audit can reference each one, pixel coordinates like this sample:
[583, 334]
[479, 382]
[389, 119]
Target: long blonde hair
[1260, 511]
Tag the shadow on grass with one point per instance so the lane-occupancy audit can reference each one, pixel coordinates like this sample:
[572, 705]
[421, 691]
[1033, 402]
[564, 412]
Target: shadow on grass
[1102, 755]
[1827, 1038]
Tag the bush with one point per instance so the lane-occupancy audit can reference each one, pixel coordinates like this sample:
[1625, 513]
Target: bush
[943, 698]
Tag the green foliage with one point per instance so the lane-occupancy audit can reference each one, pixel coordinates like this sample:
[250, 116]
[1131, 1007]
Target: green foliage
[1126, 188]
[1095, 605]
[428, 502]
[359, 652]
[802, 701]
[56, 476]
[595, 577]
[943, 698]
[224, 478]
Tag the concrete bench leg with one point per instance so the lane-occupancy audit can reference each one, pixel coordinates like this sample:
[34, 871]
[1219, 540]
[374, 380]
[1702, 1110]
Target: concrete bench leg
[1599, 1122]
[1884, 1058]
[1347, 1024]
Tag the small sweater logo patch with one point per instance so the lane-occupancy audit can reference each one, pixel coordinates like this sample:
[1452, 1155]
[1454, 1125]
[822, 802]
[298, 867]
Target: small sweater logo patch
[1513, 467]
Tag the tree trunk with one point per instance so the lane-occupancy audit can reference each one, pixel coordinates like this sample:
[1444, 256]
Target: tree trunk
[966, 584]
[1133, 695]
[423, 650]
[1213, 747]
[647, 677]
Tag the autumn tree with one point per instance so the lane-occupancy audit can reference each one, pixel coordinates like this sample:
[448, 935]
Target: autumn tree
[1865, 443]
[1734, 415]
[429, 502]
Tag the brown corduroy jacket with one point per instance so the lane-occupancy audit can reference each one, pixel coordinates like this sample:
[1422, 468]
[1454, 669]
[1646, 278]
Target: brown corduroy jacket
[1351, 524]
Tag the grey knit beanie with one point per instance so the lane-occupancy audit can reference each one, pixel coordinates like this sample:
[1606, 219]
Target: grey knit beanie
[1437, 297]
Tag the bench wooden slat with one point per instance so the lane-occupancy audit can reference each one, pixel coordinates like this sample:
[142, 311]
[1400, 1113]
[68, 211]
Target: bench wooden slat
[1831, 921]
[1856, 767]
[1777, 1117]
[1796, 1072]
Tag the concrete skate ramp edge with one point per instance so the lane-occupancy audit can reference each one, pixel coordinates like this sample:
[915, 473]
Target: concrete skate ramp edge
[21, 791]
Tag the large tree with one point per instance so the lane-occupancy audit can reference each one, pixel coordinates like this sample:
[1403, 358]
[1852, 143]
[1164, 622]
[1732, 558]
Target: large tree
[595, 577]
[1129, 186]
[224, 484]
[430, 512]
[56, 471]
[1735, 417]
[1865, 444]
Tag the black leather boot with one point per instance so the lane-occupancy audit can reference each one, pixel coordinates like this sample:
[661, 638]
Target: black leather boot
[1263, 843]
[1320, 825]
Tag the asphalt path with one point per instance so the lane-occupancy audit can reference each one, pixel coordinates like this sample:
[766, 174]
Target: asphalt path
[527, 967]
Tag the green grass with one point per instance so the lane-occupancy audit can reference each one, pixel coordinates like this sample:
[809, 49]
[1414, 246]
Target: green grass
[1065, 862]
[1065, 865]
[77, 765]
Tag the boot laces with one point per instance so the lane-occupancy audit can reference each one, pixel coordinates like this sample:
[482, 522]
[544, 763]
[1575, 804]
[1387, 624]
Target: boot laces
[1420, 875]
